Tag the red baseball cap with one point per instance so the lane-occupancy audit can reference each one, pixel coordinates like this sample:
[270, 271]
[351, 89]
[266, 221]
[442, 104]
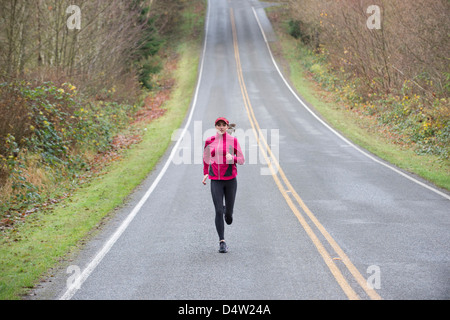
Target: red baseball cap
[222, 119]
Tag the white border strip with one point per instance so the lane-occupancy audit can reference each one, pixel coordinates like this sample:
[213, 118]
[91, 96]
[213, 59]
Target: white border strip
[334, 131]
[70, 292]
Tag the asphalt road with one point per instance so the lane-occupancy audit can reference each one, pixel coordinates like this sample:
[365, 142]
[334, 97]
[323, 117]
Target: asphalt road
[325, 220]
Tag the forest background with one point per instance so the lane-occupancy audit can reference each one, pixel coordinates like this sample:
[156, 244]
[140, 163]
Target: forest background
[72, 75]
[387, 60]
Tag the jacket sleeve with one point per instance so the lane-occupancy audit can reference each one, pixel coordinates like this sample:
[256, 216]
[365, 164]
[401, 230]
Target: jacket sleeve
[206, 156]
[238, 155]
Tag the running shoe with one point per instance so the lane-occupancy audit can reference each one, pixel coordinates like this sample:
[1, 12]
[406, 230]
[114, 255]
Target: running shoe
[223, 247]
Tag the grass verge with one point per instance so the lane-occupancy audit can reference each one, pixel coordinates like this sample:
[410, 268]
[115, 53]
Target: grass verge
[362, 130]
[47, 236]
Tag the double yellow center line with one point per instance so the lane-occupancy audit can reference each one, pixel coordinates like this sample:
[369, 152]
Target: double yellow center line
[295, 202]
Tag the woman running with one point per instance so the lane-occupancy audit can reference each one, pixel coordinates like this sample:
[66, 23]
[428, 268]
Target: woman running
[220, 155]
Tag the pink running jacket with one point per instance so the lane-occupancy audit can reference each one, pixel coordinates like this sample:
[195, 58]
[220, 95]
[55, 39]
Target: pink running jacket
[215, 163]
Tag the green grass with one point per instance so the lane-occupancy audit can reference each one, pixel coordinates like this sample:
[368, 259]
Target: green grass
[362, 131]
[47, 236]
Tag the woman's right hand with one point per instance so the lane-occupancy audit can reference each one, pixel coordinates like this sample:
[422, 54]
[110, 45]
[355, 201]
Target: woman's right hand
[204, 179]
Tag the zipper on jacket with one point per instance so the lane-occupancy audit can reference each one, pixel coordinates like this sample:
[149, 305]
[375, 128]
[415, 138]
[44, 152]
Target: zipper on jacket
[221, 159]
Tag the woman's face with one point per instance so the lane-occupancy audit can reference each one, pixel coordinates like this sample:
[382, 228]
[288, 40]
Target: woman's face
[221, 127]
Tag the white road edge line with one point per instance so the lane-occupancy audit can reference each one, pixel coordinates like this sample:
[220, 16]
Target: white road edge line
[70, 292]
[334, 131]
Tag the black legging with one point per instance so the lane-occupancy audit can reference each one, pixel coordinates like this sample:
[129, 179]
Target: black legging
[221, 189]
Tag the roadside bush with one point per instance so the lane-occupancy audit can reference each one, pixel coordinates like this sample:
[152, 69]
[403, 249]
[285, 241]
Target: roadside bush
[49, 127]
[411, 119]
